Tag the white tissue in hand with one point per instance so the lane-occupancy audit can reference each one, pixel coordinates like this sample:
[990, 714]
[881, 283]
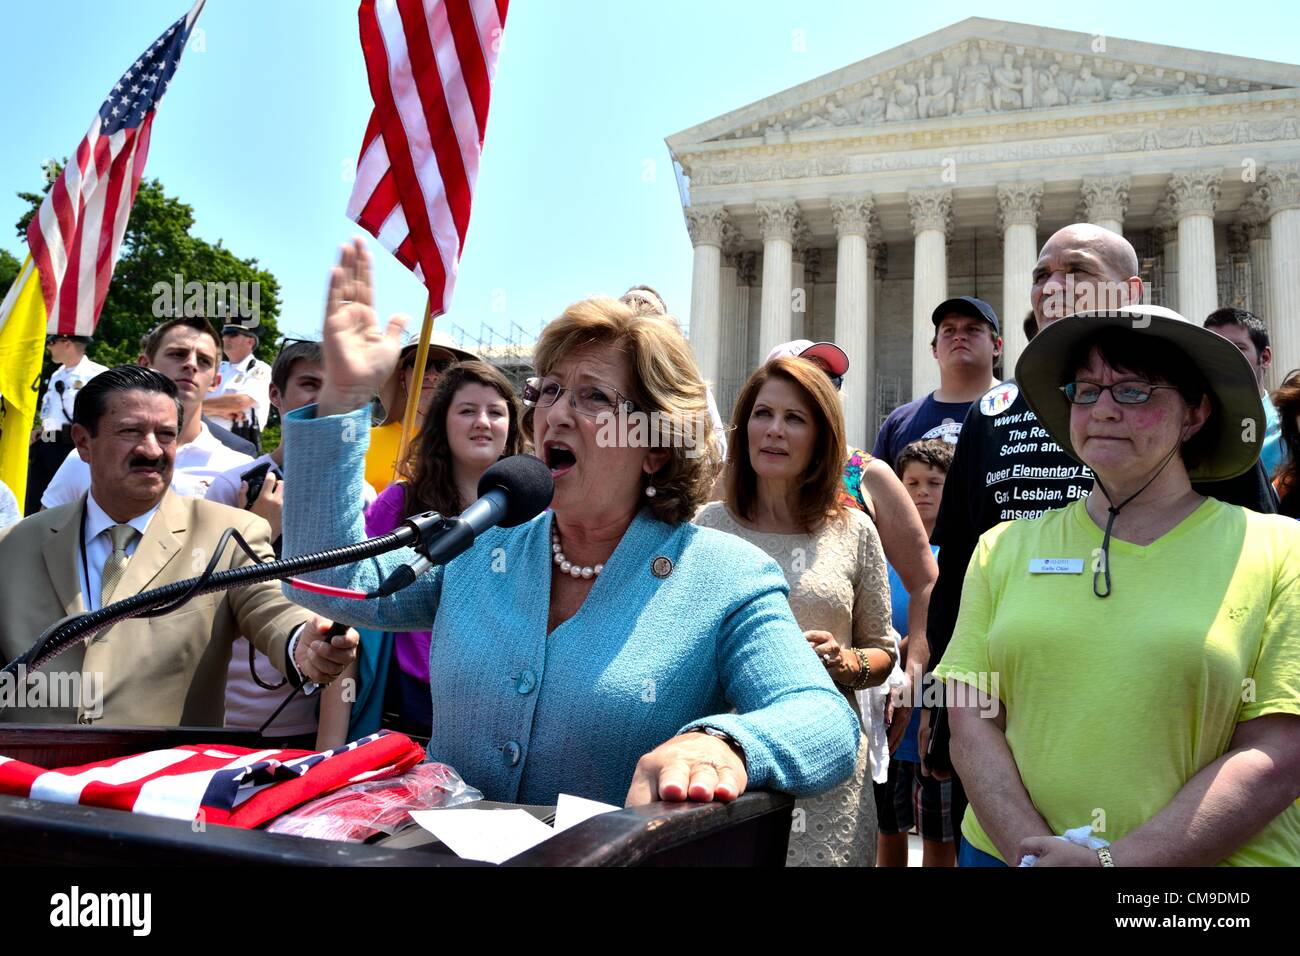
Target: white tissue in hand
[1083, 836]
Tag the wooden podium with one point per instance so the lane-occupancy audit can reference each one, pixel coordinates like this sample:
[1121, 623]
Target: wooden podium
[751, 831]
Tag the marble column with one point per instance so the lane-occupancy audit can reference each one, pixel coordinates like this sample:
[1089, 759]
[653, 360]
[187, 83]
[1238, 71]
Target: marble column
[1254, 219]
[1280, 189]
[1192, 198]
[778, 222]
[730, 318]
[1104, 201]
[1018, 208]
[851, 216]
[1166, 228]
[877, 267]
[812, 271]
[735, 342]
[706, 225]
[798, 293]
[931, 214]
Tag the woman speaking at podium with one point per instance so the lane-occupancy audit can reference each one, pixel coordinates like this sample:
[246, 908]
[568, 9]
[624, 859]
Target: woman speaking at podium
[607, 648]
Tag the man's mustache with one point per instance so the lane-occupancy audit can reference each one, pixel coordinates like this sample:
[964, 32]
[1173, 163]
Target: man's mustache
[148, 463]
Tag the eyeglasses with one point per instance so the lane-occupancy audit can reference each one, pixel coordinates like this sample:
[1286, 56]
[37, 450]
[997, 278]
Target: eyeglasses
[588, 400]
[1125, 393]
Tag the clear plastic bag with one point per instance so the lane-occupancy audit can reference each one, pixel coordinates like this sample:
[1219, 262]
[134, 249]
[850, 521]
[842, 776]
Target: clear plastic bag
[356, 813]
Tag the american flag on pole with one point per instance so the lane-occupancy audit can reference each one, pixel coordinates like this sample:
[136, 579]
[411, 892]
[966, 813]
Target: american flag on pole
[431, 65]
[75, 237]
[234, 786]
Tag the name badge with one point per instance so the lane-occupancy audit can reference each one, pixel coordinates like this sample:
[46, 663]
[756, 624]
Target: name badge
[1056, 566]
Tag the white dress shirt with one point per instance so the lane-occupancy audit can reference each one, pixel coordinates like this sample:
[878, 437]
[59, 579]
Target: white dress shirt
[251, 377]
[248, 703]
[56, 406]
[98, 548]
[197, 464]
[10, 512]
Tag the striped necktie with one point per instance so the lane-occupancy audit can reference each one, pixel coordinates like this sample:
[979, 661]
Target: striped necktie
[115, 566]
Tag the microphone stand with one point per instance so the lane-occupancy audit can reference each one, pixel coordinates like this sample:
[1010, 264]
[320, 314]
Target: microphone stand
[417, 532]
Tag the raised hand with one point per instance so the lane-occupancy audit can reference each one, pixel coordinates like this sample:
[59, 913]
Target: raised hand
[359, 354]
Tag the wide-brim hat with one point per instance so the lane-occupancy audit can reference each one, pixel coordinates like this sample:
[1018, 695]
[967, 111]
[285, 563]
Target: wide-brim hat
[1238, 416]
[392, 395]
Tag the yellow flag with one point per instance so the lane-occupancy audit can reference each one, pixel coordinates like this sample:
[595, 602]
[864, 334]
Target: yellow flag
[22, 350]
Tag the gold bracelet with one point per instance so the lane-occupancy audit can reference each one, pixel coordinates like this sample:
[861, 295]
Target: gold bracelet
[1103, 854]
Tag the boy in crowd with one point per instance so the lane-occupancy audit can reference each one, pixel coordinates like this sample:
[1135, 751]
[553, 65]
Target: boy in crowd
[908, 798]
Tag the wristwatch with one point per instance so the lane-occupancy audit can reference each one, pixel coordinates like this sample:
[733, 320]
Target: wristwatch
[726, 738]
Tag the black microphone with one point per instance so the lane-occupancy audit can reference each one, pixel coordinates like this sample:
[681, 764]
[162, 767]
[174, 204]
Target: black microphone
[511, 492]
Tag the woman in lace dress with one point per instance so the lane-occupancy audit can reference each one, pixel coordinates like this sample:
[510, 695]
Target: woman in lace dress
[783, 482]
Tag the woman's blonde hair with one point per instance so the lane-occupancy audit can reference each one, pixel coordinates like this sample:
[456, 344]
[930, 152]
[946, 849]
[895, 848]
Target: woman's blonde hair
[820, 484]
[666, 387]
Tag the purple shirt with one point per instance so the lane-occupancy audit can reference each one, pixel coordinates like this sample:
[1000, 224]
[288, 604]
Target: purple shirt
[411, 647]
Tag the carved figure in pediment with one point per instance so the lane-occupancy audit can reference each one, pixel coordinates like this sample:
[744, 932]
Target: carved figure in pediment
[1087, 88]
[872, 110]
[902, 102]
[937, 94]
[974, 84]
[1186, 87]
[837, 114]
[1124, 89]
[1047, 89]
[815, 121]
[1008, 85]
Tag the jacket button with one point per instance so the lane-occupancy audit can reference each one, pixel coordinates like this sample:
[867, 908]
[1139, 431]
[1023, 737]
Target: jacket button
[526, 683]
[510, 753]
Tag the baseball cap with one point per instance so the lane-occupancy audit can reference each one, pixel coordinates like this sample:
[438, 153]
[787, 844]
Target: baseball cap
[967, 305]
[830, 353]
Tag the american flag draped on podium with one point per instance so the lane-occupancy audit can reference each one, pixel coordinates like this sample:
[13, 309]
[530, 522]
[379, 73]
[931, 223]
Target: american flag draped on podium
[234, 786]
[74, 238]
[431, 64]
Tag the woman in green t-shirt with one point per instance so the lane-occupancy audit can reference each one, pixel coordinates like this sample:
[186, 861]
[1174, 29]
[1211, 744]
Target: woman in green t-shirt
[1128, 664]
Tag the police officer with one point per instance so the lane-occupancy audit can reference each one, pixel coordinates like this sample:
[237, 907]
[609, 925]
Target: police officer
[243, 398]
[51, 439]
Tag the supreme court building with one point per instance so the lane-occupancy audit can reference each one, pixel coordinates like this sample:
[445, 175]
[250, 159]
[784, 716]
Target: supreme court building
[848, 207]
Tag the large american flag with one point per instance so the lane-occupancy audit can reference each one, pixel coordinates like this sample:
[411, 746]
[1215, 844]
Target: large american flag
[75, 237]
[431, 64]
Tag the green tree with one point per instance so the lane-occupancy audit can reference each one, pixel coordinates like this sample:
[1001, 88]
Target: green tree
[158, 247]
[9, 267]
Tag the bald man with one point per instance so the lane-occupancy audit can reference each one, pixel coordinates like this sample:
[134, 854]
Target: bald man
[1005, 467]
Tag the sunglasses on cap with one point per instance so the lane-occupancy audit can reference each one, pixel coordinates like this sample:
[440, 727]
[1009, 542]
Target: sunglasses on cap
[438, 365]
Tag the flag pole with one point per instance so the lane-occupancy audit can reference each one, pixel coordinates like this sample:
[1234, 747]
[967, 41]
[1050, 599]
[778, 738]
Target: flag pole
[413, 393]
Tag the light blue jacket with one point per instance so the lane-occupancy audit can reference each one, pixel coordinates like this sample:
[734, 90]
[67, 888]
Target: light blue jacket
[524, 716]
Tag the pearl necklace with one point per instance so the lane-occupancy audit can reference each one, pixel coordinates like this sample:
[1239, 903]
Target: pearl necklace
[567, 566]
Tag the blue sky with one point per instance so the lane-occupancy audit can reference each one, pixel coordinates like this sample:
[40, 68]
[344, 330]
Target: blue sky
[576, 193]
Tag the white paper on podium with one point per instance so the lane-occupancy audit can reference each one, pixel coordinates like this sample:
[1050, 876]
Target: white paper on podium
[494, 836]
[570, 811]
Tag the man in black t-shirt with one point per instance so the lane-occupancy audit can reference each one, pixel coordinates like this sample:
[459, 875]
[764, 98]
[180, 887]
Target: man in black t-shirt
[1006, 467]
[966, 344]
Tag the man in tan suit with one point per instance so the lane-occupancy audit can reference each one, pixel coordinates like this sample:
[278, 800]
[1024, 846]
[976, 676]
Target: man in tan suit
[138, 535]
